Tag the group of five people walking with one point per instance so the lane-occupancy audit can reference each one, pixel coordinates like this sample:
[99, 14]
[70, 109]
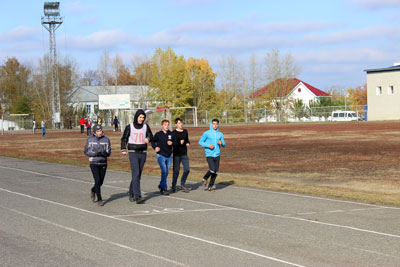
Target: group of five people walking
[170, 146]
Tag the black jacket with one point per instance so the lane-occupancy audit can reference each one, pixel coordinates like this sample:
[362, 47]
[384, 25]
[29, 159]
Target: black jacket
[160, 140]
[127, 132]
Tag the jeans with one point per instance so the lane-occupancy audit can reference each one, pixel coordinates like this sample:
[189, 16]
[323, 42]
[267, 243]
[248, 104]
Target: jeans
[137, 161]
[177, 162]
[165, 164]
[43, 131]
[89, 131]
[99, 172]
[213, 166]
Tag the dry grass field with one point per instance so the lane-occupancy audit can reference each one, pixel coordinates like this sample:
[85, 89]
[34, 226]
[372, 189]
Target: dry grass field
[357, 161]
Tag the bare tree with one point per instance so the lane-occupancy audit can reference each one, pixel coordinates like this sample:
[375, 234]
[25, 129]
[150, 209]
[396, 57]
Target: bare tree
[280, 71]
[104, 69]
[90, 77]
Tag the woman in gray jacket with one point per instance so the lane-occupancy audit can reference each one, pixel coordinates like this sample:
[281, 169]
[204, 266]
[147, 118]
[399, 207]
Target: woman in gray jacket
[98, 148]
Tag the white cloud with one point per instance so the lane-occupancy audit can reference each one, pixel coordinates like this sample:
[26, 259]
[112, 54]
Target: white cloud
[104, 40]
[20, 34]
[377, 4]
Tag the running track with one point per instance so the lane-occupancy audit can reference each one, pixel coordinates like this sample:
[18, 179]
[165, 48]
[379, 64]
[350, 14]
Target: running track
[47, 219]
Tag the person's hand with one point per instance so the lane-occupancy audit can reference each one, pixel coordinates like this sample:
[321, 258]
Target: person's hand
[211, 146]
[146, 140]
[124, 153]
[169, 143]
[104, 154]
[187, 144]
[182, 141]
[219, 142]
[157, 149]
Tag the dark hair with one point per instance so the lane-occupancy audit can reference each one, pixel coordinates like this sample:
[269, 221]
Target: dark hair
[178, 119]
[164, 121]
[215, 120]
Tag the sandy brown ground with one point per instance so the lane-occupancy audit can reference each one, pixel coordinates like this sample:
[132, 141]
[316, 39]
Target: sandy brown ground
[347, 160]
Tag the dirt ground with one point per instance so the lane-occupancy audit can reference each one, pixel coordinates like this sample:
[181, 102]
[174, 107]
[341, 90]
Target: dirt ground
[352, 160]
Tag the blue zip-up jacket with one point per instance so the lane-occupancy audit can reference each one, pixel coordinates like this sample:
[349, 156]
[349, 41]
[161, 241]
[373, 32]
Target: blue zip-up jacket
[211, 137]
[98, 149]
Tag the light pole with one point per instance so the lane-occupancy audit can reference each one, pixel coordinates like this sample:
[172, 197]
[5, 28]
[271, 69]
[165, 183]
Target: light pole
[52, 21]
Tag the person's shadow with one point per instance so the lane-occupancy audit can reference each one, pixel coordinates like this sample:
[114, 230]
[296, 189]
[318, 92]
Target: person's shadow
[116, 196]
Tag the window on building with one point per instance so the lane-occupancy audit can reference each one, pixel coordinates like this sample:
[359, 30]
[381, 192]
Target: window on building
[378, 90]
[88, 109]
[390, 90]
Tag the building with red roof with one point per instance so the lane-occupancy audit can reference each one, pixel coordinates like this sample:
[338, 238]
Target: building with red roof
[293, 89]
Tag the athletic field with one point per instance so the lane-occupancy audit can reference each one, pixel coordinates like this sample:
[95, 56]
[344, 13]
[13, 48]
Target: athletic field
[48, 219]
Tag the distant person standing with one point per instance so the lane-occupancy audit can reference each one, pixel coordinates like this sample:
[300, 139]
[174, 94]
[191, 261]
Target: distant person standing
[99, 120]
[134, 141]
[88, 124]
[163, 142]
[43, 127]
[33, 126]
[82, 124]
[116, 122]
[180, 155]
[212, 140]
[98, 149]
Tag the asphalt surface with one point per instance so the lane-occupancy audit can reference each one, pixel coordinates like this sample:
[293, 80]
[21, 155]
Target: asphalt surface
[48, 219]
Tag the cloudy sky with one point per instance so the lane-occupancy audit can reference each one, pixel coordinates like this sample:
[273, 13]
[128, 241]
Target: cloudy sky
[333, 41]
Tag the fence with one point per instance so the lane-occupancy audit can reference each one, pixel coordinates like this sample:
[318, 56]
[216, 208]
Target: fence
[16, 122]
[312, 114]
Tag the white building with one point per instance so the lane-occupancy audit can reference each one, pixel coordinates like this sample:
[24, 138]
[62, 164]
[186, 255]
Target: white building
[88, 96]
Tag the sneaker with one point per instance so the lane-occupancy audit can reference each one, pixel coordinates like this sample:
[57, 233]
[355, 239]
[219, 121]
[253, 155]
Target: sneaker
[173, 190]
[164, 192]
[92, 196]
[210, 189]
[139, 200]
[185, 189]
[204, 183]
[131, 198]
[100, 203]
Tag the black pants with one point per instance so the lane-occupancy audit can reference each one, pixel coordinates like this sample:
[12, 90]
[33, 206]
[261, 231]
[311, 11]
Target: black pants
[116, 127]
[137, 161]
[99, 172]
[177, 166]
[82, 128]
[213, 166]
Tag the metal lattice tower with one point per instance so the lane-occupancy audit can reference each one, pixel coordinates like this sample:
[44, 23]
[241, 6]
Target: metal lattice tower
[52, 21]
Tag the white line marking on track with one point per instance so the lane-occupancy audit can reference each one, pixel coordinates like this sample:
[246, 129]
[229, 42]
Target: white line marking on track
[157, 212]
[154, 228]
[94, 237]
[286, 216]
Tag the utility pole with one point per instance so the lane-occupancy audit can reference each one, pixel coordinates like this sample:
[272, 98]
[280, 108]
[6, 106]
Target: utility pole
[52, 21]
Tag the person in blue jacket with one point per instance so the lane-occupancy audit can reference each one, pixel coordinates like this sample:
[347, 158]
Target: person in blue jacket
[98, 149]
[212, 140]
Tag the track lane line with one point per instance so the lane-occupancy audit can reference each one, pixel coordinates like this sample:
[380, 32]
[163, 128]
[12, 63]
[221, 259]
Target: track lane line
[154, 228]
[284, 216]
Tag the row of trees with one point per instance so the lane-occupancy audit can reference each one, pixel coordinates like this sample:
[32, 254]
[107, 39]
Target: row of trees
[175, 81]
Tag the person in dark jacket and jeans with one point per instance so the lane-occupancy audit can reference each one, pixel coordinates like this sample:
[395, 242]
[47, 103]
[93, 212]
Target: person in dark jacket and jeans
[180, 155]
[98, 149]
[134, 141]
[163, 142]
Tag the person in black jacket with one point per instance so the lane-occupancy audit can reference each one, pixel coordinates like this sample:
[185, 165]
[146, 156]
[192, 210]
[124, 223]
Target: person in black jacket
[98, 149]
[162, 144]
[180, 155]
[134, 141]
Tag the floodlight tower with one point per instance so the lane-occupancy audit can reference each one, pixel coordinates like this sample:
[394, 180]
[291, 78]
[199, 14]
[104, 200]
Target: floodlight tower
[52, 21]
